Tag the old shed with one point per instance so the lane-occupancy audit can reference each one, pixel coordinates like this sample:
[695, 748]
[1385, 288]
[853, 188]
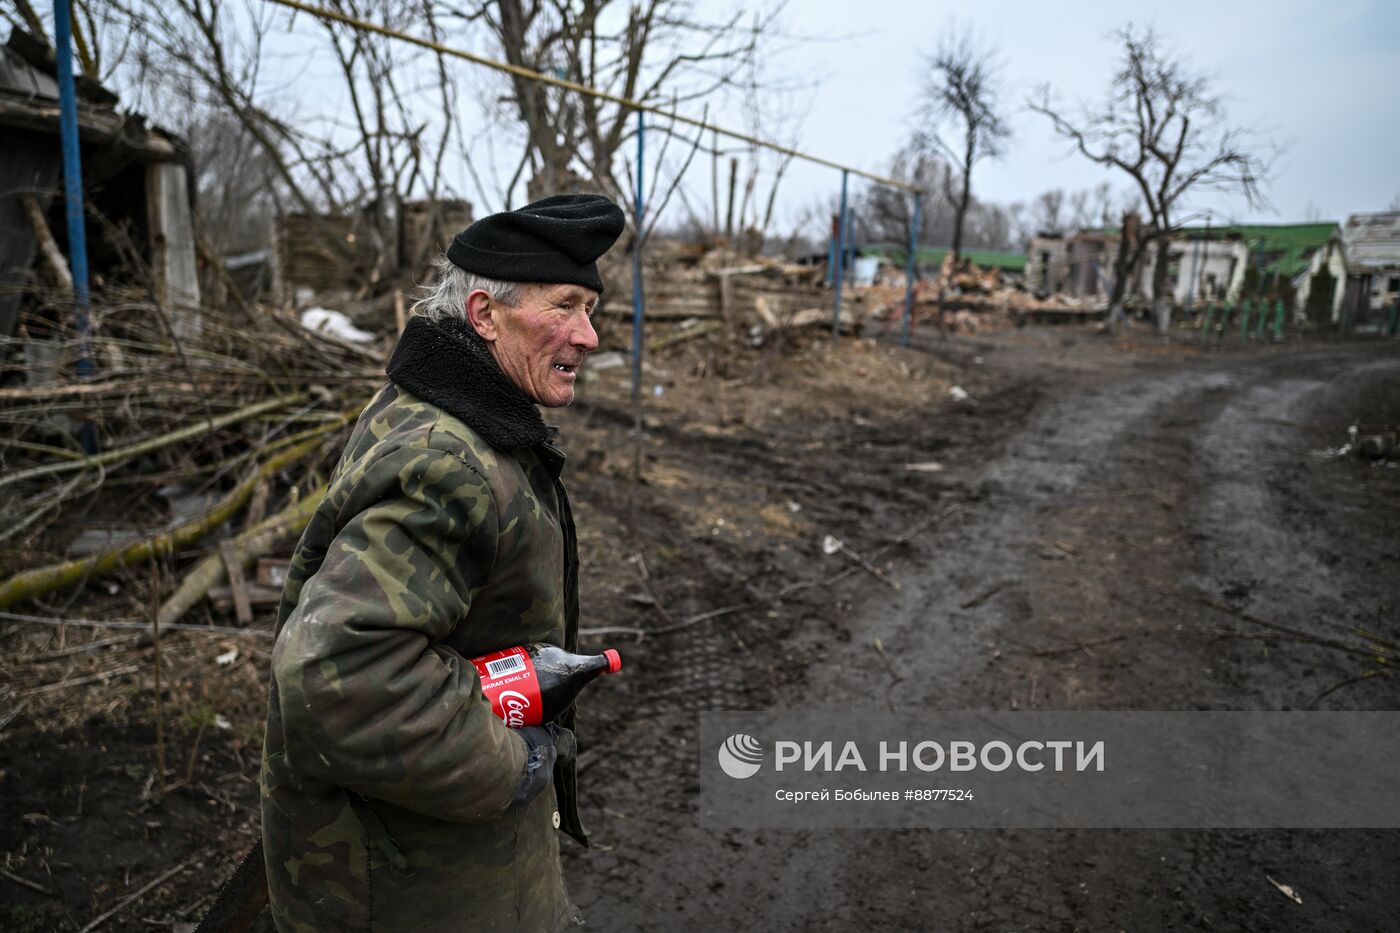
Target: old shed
[136, 190]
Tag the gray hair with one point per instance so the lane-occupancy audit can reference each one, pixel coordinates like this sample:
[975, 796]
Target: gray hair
[446, 298]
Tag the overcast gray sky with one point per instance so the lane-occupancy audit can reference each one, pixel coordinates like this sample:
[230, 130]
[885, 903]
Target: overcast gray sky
[1321, 78]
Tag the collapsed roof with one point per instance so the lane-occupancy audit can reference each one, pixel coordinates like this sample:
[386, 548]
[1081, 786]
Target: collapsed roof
[1372, 242]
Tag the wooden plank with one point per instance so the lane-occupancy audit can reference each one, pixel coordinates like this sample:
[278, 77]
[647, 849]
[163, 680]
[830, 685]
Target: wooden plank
[259, 597]
[700, 330]
[173, 246]
[48, 246]
[242, 607]
[764, 312]
[744, 270]
[726, 296]
[257, 506]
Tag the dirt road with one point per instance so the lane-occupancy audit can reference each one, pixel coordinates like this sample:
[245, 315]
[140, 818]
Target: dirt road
[1055, 543]
[1122, 491]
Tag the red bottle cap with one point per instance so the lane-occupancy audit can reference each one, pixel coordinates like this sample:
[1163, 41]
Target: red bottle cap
[614, 660]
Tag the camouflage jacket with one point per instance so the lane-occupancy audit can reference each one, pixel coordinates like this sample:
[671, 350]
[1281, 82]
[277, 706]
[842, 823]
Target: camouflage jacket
[445, 534]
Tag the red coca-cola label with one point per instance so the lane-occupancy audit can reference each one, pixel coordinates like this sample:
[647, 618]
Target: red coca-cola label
[508, 680]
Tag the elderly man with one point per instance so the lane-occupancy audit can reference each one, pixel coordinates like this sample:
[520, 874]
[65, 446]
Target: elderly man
[392, 798]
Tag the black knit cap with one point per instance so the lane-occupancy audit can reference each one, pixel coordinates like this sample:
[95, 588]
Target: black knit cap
[556, 240]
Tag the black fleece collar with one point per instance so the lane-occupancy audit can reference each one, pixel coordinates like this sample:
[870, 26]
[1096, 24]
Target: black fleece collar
[447, 363]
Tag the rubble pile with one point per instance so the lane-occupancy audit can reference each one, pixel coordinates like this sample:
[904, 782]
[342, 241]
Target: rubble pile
[974, 299]
[693, 292]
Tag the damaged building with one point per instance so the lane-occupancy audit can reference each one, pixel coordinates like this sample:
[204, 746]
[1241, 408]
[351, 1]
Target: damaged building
[136, 184]
[1373, 265]
[1205, 264]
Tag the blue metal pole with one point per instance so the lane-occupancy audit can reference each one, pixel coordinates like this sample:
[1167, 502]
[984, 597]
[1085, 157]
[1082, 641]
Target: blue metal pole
[912, 271]
[637, 271]
[837, 279]
[72, 163]
[73, 202]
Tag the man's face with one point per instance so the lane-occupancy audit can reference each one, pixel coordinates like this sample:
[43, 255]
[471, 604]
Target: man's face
[541, 342]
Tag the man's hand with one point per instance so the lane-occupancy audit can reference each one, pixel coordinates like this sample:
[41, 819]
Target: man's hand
[547, 746]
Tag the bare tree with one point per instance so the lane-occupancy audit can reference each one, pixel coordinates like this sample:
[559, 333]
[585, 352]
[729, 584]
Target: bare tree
[889, 212]
[1049, 209]
[232, 176]
[1087, 207]
[394, 126]
[1103, 204]
[776, 113]
[962, 88]
[1080, 215]
[266, 144]
[1163, 127]
[1019, 225]
[204, 53]
[660, 54]
[392, 139]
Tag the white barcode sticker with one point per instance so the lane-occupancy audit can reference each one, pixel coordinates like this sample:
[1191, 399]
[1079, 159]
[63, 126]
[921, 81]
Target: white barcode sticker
[503, 666]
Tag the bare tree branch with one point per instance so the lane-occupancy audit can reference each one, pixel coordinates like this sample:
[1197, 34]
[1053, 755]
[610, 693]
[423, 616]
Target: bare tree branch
[1162, 126]
[962, 88]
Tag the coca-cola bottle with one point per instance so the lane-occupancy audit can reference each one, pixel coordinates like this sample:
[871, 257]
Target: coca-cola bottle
[530, 685]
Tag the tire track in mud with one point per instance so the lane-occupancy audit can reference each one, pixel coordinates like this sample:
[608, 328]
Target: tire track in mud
[658, 869]
[948, 610]
[1124, 467]
[1069, 533]
[1280, 568]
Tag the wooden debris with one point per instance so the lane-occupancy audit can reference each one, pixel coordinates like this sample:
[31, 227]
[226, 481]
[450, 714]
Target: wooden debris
[42, 580]
[985, 595]
[683, 335]
[238, 586]
[248, 547]
[259, 597]
[895, 678]
[257, 508]
[400, 315]
[48, 247]
[765, 313]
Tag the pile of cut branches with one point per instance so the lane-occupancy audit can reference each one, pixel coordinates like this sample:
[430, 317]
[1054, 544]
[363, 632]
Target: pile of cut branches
[150, 440]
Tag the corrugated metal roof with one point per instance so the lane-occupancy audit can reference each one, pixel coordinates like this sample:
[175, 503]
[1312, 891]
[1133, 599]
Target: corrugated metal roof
[1372, 242]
